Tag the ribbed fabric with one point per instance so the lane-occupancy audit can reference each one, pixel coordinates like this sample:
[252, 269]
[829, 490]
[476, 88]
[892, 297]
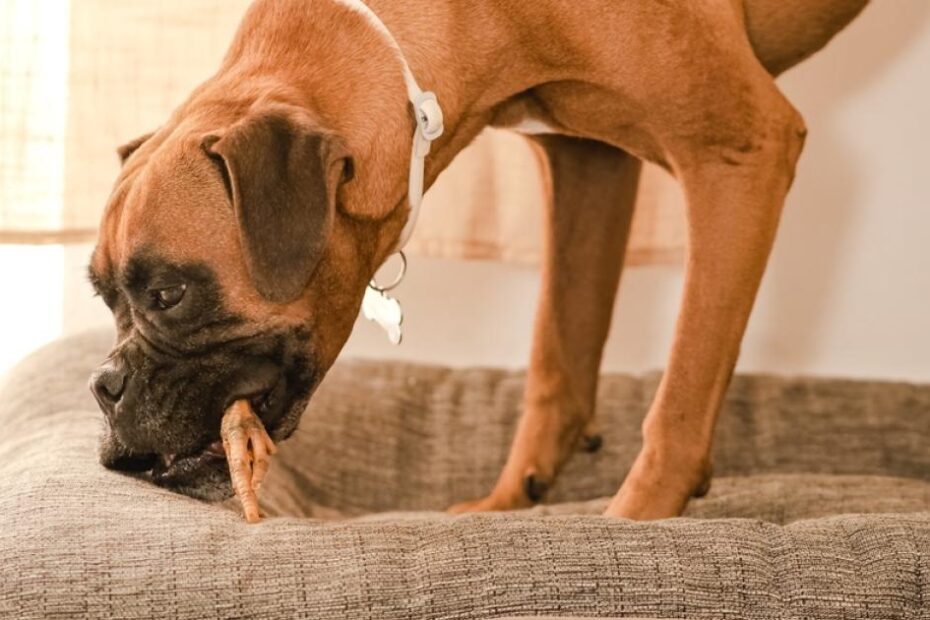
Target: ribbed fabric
[793, 457]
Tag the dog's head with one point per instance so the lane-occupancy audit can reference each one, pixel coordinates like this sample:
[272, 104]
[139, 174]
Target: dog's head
[234, 270]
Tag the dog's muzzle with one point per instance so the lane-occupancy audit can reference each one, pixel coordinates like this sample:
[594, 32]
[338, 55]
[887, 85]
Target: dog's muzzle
[163, 412]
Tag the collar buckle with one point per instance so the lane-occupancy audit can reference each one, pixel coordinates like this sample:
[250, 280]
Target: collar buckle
[429, 116]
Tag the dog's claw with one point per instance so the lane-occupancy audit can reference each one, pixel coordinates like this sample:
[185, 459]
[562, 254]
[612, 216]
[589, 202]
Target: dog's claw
[535, 488]
[592, 443]
[247, 446]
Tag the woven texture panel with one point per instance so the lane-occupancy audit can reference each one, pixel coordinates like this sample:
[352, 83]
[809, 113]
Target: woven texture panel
[793, 455]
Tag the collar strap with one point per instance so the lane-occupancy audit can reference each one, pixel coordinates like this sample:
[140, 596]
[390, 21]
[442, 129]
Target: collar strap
[429, 122]
[429, 127]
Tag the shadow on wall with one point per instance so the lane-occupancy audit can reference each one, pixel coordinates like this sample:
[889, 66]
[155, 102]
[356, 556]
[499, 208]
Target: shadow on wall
[820, 213]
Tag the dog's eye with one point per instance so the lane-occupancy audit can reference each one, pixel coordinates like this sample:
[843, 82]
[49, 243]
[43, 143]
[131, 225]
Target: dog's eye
[167, 298]
[348, 170]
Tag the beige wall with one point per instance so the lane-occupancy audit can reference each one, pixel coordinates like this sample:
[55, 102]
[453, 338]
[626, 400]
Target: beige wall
[848, 290]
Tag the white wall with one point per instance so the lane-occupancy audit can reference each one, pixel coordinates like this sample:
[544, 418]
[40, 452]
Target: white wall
[848, 290]
[30, 300]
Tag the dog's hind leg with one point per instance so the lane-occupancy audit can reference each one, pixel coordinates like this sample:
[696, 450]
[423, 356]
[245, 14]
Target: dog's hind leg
[587, 227]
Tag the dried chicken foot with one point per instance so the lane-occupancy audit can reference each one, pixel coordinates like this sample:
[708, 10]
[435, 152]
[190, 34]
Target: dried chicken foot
[247, 446]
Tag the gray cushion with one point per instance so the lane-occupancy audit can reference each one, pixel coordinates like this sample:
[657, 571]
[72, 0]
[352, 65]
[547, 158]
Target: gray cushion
[821, 509]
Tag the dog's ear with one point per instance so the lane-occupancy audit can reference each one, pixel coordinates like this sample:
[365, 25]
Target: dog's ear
[282, 177]
[126, 151]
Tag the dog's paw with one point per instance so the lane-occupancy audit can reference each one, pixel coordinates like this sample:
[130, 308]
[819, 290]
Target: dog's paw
[659, 488]
[488, 504]
[485, 504]
[532, 491]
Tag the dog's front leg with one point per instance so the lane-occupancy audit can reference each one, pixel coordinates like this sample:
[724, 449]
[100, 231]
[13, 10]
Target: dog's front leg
[735, 190]
[587, 226]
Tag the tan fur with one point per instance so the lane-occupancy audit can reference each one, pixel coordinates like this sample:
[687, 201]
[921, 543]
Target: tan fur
[685, 84]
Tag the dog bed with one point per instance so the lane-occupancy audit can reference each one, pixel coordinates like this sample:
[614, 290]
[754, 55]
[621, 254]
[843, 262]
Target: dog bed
[820, 508]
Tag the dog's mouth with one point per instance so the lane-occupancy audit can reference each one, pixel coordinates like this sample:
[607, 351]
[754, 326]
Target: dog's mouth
[172, 439]
[167, 467]
[201, 472]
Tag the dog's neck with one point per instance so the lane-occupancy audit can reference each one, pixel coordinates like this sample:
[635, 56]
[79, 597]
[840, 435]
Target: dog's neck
[431, 35]
[345, 72]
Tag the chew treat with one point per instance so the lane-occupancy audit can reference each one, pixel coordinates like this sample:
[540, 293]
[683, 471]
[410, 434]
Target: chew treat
[247, 446]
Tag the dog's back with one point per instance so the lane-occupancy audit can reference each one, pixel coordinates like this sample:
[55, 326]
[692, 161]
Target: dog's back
[785, 32]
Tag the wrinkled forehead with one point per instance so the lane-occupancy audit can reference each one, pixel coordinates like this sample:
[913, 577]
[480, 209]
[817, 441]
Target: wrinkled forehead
[171, 206]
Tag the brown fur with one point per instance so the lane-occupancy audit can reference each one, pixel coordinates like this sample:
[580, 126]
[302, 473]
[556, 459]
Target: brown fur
[685, 84]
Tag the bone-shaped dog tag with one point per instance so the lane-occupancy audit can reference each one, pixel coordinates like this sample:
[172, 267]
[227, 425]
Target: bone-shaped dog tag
[385, 311]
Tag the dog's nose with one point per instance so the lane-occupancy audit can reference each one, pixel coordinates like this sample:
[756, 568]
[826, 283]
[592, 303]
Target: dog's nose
[108, 384]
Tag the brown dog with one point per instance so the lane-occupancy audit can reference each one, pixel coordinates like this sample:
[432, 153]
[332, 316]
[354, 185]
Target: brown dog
[241, 235]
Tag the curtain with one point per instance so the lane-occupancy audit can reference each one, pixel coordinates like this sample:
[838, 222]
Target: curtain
[33, 75]
[489, 204]
[80, 77]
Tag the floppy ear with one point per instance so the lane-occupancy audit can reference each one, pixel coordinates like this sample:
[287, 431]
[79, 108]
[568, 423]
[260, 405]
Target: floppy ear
[282, 178]
[126, 151]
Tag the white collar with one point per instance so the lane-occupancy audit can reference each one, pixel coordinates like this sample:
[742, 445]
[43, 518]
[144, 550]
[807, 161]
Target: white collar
[429, 123]
[377, 306]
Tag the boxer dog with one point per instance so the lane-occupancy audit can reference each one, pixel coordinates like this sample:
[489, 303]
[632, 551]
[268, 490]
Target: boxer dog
[238, 242]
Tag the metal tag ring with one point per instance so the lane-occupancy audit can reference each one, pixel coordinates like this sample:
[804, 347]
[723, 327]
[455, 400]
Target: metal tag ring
[400, 277]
